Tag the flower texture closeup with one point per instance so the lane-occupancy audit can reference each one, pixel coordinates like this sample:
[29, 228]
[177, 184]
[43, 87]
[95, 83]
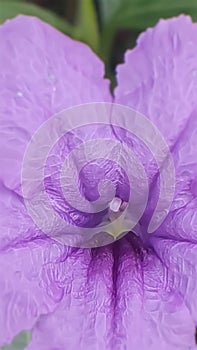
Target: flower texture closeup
[68, 144]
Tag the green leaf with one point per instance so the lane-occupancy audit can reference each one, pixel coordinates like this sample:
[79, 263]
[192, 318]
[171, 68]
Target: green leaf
[108, 7]
[86, 24]
[10, 9]
[138, 15]
[20, 341]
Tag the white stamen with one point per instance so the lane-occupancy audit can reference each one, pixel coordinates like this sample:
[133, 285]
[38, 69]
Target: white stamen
[115, 204]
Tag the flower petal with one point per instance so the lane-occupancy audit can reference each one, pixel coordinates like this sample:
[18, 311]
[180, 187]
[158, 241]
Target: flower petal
[180, 257]
[117, 297]
[158, 79]
[42, 72]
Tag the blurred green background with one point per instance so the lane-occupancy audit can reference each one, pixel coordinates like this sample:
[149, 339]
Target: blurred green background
[109, 27]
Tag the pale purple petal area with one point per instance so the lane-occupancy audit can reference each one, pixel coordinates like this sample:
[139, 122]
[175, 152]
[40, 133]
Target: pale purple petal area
[159, 76]
[24, 293]
[42, 73]
[181, 223]
[180, 258]
[158, 79]
[26, 253]
[130, 295]
[117, 297]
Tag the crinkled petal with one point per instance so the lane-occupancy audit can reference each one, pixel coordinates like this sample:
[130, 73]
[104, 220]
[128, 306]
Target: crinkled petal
[42, 72]
[181, 223]
[117, 297]
[158, 79]
[180, 257]
[122, 296]
[25, 255]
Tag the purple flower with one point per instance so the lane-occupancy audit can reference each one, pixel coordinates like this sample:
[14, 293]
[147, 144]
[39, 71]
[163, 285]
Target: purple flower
[139, 292]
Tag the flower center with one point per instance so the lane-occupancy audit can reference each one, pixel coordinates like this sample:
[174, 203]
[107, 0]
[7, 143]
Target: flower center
[115, 211]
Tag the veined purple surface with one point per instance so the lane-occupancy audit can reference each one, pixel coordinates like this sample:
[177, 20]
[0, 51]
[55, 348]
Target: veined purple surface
[69, 216]
[139, 292]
